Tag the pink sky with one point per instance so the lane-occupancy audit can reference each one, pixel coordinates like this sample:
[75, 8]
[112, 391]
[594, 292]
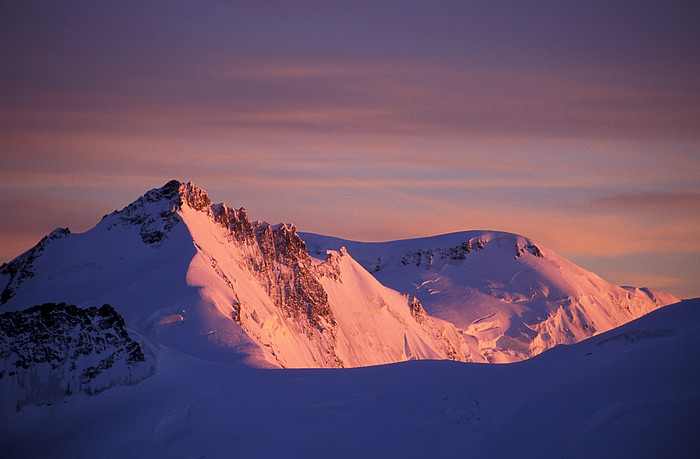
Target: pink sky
[574, 123]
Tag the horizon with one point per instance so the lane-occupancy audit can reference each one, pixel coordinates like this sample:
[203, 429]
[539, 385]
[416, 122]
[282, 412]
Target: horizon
[577, 126]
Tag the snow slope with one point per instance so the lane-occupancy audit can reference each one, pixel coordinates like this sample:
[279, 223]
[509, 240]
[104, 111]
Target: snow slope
[631, 392]
[515, 297]
[203, 279]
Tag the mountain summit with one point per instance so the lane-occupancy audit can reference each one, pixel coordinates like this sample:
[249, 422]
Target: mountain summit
[205, 280]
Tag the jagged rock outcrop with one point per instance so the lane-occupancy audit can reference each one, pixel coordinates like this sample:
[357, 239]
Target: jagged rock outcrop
[428, 256]
[528, 248]
[50, 351]
[287, 272]
[417, 310]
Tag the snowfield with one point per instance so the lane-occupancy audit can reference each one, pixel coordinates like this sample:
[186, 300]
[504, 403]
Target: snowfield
[631, 392]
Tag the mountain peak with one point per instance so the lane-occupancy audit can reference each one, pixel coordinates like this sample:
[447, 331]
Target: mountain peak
[179, 194]
[156, 211]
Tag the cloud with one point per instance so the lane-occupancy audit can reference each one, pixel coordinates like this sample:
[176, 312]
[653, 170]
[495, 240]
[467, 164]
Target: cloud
[365, 98]
[684, 202]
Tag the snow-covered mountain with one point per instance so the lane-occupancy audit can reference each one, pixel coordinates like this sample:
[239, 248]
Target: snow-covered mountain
[515, 297]
[203, 279]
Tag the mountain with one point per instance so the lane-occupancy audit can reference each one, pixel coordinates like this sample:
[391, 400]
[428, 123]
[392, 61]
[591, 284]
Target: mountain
[513, 296]
[203, 279]
[630, 392]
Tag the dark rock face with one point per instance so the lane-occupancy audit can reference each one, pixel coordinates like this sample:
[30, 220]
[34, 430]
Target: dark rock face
[236, 221]
[532, 249]
[54, 350]
[22, 267]
[331, 266]
[417, 310]
[426, 257]
[192, 195]
[429, 256]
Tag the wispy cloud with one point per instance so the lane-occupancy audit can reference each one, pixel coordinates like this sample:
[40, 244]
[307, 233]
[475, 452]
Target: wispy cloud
[685, 202]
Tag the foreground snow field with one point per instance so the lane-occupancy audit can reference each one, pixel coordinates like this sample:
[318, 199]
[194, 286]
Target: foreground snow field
[631, 392]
